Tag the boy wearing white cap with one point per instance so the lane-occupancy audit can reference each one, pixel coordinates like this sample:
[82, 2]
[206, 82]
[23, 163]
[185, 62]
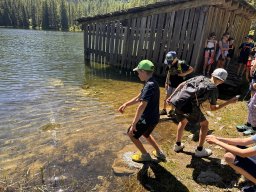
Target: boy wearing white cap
[187, 99]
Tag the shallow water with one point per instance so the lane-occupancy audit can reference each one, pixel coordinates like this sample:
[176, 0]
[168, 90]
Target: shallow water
[59, 120]
[60, 128]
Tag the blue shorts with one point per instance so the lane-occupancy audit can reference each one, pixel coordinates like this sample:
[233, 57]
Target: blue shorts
[246, 164]
[142, 129]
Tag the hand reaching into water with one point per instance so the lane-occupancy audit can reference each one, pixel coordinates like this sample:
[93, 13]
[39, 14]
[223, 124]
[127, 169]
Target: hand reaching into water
[122, 108]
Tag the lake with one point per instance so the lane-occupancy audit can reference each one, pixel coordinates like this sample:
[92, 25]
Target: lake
[59, 121]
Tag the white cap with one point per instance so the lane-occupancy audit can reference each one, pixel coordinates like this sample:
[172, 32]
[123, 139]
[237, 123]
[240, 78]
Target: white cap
[220, 73]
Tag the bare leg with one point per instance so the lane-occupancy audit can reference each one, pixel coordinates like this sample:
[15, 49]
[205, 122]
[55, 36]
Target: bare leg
[239, 68]
[218, 64]
[153, 142]
[138, 144]
[182, 124]
[205, 64]
[247, 74]
[227, 62]
[203, 132]
[165, 104]
[230, 158]
[208, 69]
[244, 69]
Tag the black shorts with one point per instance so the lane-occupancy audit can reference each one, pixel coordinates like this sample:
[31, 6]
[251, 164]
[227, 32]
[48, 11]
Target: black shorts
[195, 116]
[142, 129]
[243, 60]
[246, 164]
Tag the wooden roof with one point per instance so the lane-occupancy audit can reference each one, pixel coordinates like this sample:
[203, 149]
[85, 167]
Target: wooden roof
[236, 4]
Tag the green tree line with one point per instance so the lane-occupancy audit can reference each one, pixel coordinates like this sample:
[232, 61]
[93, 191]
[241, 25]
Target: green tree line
[57, 14]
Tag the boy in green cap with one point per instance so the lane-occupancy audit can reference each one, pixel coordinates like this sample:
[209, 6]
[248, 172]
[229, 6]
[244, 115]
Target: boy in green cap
[147, 113]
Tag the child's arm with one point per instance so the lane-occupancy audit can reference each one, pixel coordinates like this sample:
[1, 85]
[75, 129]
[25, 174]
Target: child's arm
[140, 109]
[128, 103]
[229, 145]
[217, 107]
[206, 42]
[215, 46]
[236, 141]
[167, 80]
[221, 49]
[190, 70]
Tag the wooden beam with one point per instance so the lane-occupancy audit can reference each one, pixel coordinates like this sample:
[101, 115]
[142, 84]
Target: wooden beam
[233, 6]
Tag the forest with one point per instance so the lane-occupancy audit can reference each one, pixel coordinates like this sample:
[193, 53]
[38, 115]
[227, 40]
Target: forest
[60, 14]
[57, 14]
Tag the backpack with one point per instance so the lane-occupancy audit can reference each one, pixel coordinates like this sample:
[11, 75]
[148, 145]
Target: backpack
[194, 92]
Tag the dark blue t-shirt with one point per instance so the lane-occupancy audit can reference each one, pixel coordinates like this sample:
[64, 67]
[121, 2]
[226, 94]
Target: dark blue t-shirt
[179, 67]
[245, 49]
[150, 93]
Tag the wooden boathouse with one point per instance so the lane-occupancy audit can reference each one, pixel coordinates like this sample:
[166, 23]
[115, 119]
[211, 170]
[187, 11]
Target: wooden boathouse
[124, 38]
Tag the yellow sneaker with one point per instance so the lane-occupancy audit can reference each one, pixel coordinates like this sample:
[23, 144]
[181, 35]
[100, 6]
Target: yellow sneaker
[140, 158]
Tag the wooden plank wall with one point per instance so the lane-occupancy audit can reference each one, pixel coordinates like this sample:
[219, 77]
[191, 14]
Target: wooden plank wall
[124, 43]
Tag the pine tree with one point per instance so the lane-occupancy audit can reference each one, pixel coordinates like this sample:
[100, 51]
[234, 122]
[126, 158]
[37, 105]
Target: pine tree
[25, 23]
[45, 16]
[63, 17]
[33, 16]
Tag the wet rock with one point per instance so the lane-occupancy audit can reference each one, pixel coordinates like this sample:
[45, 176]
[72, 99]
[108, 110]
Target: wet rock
[85, 86]
[208, 177]
[50, 126]
[56, 82]
[100, 177]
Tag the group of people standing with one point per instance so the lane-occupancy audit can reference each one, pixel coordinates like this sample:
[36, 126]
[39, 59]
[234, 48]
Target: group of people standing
[185, 99]
[222, 52]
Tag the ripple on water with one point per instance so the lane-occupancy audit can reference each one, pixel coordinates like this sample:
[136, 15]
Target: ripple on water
[48, 118]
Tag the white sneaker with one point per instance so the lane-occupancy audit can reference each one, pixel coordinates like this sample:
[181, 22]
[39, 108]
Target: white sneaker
[177, 148]
[204, 153]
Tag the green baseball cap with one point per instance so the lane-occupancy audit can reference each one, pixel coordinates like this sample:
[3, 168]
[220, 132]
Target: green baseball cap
[145, 65]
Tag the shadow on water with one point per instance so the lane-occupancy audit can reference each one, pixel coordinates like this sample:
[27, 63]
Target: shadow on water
[116, 73]
[162, 180]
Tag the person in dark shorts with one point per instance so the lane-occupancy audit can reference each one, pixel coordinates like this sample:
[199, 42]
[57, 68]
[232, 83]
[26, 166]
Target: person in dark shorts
[240, 158]
[192, 112]
[177, 70]
[147, 114]
[231, 52]
[244, 54]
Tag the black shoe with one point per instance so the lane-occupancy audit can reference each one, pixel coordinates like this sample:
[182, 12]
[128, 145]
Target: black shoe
[171, 113]
[163, 112]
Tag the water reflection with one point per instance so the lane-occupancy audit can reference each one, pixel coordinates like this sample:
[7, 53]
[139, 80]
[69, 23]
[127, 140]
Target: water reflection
[57, 112]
